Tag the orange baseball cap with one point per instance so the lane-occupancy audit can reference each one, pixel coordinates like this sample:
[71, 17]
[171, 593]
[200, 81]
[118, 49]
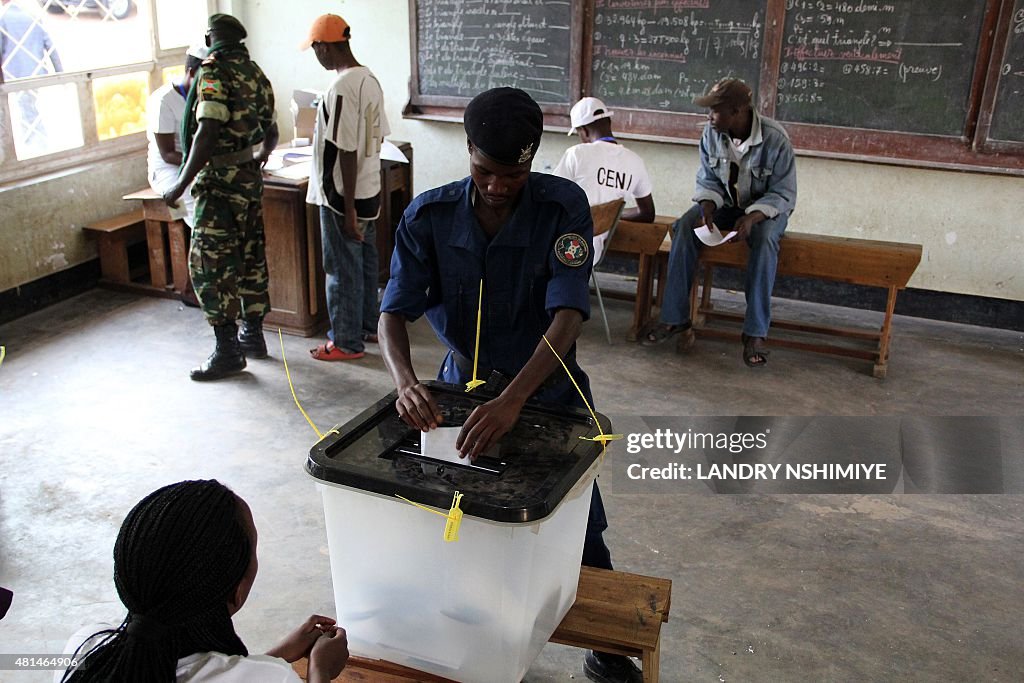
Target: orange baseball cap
[327, 28]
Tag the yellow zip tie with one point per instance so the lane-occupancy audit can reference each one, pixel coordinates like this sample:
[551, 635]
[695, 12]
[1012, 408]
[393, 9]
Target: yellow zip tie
[603, 438]
[454, 516]
[292, 387]
[474, 383]
[3, 354]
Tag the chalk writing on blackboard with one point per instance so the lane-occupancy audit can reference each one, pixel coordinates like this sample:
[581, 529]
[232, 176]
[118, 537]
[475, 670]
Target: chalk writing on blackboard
[660, 54]
[903, 65]
[1007, 121]
[466, 47]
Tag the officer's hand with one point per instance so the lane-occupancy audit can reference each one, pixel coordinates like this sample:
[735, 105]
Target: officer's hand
[350, 227]
[486, 425]
[745, 223]
[172, 195]
[417, 408]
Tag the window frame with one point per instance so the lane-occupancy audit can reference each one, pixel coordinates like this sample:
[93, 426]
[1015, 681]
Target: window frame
[14, 170]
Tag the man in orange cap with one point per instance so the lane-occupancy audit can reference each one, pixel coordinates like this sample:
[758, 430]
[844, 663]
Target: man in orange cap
[345, 184]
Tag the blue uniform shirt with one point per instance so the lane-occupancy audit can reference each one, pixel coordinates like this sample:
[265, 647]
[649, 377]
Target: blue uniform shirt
[441, 254]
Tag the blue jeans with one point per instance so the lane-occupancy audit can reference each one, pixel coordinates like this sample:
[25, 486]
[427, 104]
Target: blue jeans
[761, 263]
[351, 269]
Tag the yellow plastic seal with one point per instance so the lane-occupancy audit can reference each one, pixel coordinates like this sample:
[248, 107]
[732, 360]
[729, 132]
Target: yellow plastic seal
[603, 438]
[453, 518]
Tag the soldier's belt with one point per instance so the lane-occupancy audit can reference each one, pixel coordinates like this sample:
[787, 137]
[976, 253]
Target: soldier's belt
[232, 158]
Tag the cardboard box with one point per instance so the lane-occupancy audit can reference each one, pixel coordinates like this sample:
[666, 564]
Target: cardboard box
[303, 107]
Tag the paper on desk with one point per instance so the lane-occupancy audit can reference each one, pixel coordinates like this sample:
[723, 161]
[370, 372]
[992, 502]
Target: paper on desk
[439, 444]
[390, 152]
[713, 236]
[297, 171]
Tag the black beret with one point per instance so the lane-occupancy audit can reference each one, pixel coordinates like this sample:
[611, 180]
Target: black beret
[505, 125]
[226, 22]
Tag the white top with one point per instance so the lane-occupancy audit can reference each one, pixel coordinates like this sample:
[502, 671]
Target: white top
[204, 666]
[164, 111]
[605, 171]
[351, 117]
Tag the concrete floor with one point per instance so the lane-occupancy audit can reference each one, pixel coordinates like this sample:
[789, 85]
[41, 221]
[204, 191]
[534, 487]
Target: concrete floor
[98, 410]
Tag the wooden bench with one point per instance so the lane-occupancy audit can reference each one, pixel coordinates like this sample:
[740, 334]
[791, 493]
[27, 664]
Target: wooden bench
[614, 612]
[841, 259]
[113, 237]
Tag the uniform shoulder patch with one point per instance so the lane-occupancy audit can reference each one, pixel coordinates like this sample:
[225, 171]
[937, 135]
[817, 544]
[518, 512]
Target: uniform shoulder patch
[210, 85]
[572, 250]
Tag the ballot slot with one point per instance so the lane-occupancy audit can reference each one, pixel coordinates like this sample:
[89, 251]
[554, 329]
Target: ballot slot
[411, 447]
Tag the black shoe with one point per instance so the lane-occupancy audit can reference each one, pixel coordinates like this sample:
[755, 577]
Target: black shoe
[602, 667]
[250, 338]
[227, 359]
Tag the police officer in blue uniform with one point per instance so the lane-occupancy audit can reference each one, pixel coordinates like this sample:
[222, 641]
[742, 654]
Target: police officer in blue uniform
[527, 236]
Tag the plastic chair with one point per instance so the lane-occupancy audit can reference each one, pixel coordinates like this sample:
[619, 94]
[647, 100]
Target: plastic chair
[606, 219]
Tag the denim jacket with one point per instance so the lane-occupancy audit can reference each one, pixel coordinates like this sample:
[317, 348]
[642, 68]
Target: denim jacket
[767, 172]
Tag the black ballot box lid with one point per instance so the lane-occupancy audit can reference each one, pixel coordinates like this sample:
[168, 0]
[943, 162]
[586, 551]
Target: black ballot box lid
[522, 480]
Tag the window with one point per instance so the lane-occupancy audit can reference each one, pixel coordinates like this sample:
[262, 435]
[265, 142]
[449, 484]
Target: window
[76, 75]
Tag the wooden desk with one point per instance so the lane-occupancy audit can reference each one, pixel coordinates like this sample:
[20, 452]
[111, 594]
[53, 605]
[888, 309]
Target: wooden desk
[294, 254]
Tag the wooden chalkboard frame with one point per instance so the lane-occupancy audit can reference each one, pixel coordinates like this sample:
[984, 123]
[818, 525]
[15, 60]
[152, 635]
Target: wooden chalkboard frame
[984, 142]
[969, 151]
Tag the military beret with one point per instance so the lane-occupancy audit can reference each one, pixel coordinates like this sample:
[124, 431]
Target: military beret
[505, 124]
[226, 22]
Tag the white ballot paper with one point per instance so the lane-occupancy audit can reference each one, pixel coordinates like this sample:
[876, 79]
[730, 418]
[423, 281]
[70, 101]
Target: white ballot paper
[390, 152]
[713, 236]
[439, 444]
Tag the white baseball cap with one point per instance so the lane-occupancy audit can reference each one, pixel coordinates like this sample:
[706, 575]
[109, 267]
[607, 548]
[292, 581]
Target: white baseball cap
[586, 111]
[199, 51]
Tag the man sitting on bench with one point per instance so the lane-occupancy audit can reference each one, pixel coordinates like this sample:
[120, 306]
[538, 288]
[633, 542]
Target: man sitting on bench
[746, 183]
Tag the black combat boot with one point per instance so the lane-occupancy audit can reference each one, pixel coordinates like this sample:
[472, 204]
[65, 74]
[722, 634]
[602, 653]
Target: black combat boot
[250, 338]
[227, 359]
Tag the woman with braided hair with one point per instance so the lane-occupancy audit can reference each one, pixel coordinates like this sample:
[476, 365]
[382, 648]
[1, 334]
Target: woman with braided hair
[184, 561]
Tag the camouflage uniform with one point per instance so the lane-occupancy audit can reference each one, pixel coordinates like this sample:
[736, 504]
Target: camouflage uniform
[227, 258]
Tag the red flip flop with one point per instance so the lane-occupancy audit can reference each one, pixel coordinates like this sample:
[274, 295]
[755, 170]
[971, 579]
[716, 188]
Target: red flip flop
[330, 352]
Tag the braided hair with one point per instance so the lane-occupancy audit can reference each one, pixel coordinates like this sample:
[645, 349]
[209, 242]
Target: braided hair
[179, 556]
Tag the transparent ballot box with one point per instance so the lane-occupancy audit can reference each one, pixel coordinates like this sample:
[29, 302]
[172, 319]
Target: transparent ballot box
[481, 608]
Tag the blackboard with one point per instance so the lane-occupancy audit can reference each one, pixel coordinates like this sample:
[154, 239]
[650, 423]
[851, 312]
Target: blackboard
[660, 54]
[894, 65]
[465, 47]
[909, 82]
[1008, 110]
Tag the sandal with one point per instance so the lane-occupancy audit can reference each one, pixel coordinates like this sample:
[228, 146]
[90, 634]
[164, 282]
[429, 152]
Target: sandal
[330, 352]
[754, 353]
[662, 332]
[687, 338]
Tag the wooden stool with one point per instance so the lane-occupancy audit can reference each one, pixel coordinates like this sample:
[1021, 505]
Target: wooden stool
[113, 237]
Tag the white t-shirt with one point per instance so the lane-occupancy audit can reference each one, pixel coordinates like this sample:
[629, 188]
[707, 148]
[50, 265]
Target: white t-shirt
[351, 117]
[605, 171]
[204, 666]
[164, 111]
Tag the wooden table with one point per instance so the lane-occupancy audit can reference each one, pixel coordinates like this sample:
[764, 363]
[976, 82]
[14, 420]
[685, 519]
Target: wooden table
[294, 254]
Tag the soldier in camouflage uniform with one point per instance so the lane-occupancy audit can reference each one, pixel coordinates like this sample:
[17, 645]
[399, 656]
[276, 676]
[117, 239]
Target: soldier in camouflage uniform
[229, 130]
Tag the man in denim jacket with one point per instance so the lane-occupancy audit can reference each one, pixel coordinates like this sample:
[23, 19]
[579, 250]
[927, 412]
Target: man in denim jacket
[747, 183]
